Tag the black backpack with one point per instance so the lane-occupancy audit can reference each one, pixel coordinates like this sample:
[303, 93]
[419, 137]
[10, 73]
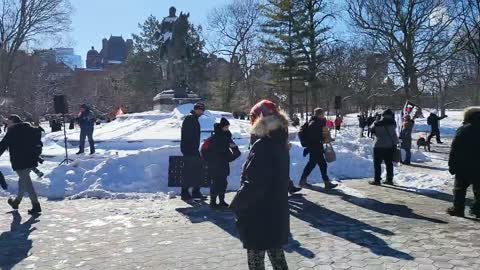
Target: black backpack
[36, 141]
[302, 134]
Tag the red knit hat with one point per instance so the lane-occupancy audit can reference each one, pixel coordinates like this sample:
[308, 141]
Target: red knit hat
[262, 108]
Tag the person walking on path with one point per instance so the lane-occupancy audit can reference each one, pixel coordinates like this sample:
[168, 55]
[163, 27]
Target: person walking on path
[190, 144]
[86, 120]
[434, 121]
[386, 140]
[21, 142]
[316, 135]
[218, 151]
[463, 163]
[261, 204]
[406, 138]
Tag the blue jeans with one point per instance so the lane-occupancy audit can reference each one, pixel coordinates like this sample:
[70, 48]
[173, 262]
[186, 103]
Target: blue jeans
[84, 133]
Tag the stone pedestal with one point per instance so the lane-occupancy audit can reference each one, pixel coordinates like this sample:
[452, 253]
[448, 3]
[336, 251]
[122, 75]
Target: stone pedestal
[166, 100]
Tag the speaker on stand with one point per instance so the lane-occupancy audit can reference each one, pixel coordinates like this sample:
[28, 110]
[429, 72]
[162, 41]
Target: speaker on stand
[61, 107]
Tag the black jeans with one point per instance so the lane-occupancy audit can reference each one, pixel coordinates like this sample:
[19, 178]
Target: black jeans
[219, 186]
[408, 155]
[436, 133]
[460, 192]
[256, 259]
[383, 155]
[316, 158]
[84, 133]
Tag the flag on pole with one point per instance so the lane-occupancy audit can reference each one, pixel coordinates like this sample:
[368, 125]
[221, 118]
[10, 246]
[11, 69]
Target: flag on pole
[412, 109]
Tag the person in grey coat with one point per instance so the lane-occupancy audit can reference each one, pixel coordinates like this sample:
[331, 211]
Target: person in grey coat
[406, 138]
[386, 140]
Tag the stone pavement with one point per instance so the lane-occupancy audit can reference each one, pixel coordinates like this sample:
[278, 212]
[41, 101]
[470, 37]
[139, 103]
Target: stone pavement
[357, 227]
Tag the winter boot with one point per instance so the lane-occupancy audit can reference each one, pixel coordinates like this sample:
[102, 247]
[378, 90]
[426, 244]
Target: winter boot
[13, 203]
[389, 182]
[196, 194]
[304, 184]
[454, 212]
[213, 202]
[222, 203]
[185, 195]
[330, 185]
[375, 183]
[36, 209]
[292, 189]
[79, 152]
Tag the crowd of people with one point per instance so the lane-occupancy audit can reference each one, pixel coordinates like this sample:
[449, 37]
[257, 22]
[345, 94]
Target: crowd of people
[261, 203]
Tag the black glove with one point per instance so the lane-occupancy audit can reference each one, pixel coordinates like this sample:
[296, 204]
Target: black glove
[305, 152]
[3, 183]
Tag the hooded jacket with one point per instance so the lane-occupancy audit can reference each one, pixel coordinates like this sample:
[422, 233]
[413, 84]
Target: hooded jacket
[219, 150]
[261, 205]
[86, 120]
[385, 133]
[463, 159]
[20, 140]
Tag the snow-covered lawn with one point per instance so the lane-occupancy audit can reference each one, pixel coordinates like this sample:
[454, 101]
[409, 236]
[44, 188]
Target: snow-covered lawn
[133, 152]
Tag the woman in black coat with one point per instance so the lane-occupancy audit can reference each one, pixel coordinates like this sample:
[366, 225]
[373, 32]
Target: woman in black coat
[261, 204]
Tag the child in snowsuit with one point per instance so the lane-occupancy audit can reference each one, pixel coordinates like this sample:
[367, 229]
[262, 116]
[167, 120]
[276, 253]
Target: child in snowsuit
[218, 151]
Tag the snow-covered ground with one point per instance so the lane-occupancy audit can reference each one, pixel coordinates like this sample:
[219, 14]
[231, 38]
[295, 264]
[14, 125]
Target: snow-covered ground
[133, 152]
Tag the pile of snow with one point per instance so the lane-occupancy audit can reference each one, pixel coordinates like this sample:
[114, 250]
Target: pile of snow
[133, 153]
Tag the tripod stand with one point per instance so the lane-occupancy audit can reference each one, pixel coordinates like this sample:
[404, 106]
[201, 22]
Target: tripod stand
[66, 160]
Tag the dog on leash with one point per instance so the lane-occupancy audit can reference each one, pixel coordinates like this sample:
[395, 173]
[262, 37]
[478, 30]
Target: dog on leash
[422, 142]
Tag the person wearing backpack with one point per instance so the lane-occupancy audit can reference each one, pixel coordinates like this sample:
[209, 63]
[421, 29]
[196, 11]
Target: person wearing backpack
[21, 142]
[218, 151]
[434, 121]
[386, 141]
[86, 120]
[314, 135]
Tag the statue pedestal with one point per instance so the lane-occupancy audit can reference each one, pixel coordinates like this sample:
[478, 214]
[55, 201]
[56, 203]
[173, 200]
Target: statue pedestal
[166, 100]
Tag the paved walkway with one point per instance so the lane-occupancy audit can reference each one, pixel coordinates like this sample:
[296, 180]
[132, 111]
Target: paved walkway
[356, 227]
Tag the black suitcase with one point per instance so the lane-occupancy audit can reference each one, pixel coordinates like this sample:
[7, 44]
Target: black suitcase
[3, 183]
[187, 172]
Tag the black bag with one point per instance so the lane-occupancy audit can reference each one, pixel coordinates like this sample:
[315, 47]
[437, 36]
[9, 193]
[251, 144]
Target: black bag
[187, 171]
[302, 134]
[3, 183]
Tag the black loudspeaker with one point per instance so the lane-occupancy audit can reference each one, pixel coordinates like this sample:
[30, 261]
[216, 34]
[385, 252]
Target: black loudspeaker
[60, 104]
[338, 102]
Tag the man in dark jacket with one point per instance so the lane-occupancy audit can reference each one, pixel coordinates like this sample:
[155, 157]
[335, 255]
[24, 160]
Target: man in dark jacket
[86, 120]
[434, 121]
[21, 143]
[315, 140]
[219, 150]
[463, 163]
[370, 121]
[190, 144]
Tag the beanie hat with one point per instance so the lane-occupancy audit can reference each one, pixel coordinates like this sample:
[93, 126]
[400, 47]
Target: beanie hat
[199, 106]
[387, 112]
[318, 111]
[263, 108]
[224, 122]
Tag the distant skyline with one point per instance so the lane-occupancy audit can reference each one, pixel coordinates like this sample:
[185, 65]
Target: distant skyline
[94, 20]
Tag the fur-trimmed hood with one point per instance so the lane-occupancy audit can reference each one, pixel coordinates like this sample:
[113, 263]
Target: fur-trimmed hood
[265, 125]
[471, 115]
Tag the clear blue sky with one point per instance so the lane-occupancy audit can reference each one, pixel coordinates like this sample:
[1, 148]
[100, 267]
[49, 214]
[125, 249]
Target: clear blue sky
[95, 19]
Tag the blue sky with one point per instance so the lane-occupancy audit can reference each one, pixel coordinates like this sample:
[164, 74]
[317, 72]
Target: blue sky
[95, 19]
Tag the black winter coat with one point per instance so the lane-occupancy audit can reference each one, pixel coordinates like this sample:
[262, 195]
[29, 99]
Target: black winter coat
[464, 152]
[20, 140]
[315, 134]
[190, 139]
[434, 121]
[86, 120]
[263, 220]
[219, 154]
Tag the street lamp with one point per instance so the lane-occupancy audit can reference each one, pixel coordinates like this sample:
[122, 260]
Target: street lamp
[306, 100]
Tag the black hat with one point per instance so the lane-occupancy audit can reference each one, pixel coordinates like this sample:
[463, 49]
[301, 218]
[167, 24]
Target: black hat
[199, 106]
[15, 118]
[85, 106]
[224, 122]
[388, 112]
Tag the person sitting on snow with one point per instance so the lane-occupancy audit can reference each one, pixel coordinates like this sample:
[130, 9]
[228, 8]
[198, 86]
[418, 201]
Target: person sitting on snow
[218, 151]
[463, 163]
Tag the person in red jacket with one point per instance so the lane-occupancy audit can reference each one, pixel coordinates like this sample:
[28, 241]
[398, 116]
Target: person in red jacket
[338, 122]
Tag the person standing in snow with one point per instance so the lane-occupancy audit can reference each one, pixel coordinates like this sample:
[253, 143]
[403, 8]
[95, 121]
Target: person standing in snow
[362, 123]
[338, 122]
[218, 151]
[406, 138]
[386, 140]
[316, 135]
[21, 142]
[434, 121]
[261, 205]
[190, 144]
[370, 121]
[86, 120]
[463, 163]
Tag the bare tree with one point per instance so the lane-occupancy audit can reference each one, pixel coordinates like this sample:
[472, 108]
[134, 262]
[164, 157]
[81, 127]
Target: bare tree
[416, 34]
[235, 27]
[22, 21]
